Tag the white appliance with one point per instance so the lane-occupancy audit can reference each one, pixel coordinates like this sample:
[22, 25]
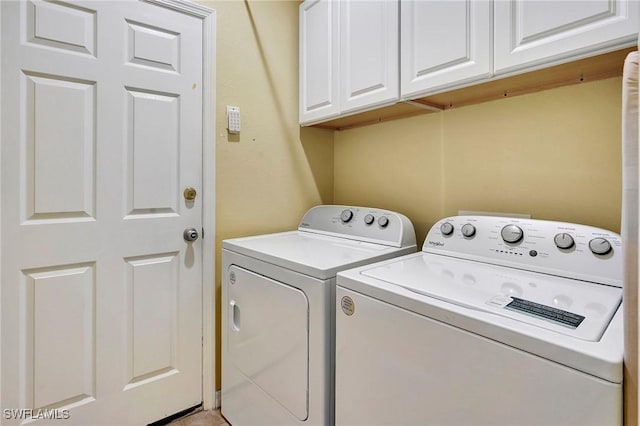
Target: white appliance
[278, 294]
[498, 321]
[629, 231]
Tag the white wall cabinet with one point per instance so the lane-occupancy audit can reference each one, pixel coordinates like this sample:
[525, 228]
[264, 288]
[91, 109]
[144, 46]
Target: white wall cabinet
[356, 55]
[348, 56]
[368, 53]
[531, 33]
[319, 60]
[444, 43]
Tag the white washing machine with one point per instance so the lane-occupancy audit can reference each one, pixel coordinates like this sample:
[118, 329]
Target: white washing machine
[497, 321]
[278, 311]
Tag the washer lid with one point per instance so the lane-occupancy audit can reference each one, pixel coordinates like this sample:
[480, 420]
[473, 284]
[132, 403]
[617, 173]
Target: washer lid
[316, 255]
[576, 308]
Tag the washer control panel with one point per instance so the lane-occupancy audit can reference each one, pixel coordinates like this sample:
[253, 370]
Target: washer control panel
[558, 248]
[360, 223]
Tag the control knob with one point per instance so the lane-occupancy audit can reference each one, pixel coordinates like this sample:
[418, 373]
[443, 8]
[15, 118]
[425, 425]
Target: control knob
[600, 246]
[564, 241]
[446, 228]
[512, 234]
[468, 230]
[369, 219]
[383, 221]
[346, 215]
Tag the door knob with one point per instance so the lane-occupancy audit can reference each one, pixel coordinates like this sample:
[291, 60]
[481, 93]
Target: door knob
[190, 194]
[190, 234]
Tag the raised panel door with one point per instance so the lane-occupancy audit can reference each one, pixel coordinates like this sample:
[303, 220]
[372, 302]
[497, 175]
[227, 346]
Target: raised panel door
[530, 33]
[368, 54]
[444, 43]
[319, 60]
[101, 131]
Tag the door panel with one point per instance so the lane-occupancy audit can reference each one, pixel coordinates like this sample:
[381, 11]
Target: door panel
[62, 26]
[269, 337]
[537, 22]
[319, 60]
[153, 47]
[52, 103]
[59, 372]
[528, 33]
[153, 145]
[152, 327]
[443, 43]
[368, 53]
[102, 130]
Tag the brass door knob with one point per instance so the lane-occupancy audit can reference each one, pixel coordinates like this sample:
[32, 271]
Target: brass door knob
[190, 194]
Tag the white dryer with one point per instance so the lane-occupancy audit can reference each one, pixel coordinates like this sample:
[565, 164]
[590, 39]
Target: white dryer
[278, 311]
[497, 321]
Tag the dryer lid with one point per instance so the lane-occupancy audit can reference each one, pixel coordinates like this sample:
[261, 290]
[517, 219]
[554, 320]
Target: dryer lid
[576, 308]
[319, 256]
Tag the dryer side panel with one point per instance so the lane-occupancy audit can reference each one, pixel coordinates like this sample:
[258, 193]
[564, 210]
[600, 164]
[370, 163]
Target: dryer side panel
[268, 337]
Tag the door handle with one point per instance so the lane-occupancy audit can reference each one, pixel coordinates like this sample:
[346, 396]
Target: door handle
[234, 313]
[190, 234]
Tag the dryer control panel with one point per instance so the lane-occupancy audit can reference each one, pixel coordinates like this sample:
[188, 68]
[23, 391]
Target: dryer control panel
[360, 223]
[558, 248]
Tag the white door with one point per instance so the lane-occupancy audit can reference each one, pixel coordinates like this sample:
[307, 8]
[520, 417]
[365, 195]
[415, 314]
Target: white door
[443, 43]
[101, 133]
[533, 32]
[368, 54]
[319, 60]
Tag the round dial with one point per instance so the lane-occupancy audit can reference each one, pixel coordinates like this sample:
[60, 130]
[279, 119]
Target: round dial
[383, 221]
[468, 230]
[564, 241]
[446, 228]
[600, 246]
[369, 219]
[512, 234]
[346, 215]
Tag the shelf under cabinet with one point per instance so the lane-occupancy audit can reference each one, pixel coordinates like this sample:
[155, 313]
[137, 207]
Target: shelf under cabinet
[584, 70]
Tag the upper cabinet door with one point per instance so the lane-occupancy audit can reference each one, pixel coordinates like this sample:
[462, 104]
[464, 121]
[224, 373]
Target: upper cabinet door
[534, 32]
[444, 42]
[319, 60]
[369, 53]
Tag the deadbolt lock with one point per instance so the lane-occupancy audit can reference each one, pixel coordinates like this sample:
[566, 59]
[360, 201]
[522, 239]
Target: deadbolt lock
[190, 194]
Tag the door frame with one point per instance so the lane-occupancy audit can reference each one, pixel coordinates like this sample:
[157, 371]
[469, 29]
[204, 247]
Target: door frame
[208, 17]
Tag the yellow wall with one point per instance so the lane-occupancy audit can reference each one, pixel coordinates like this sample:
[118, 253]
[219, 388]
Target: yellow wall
[272, 172]
[395, 165]
[553, 154]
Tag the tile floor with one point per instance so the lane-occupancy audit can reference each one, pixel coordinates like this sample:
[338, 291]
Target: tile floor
[201, 418]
